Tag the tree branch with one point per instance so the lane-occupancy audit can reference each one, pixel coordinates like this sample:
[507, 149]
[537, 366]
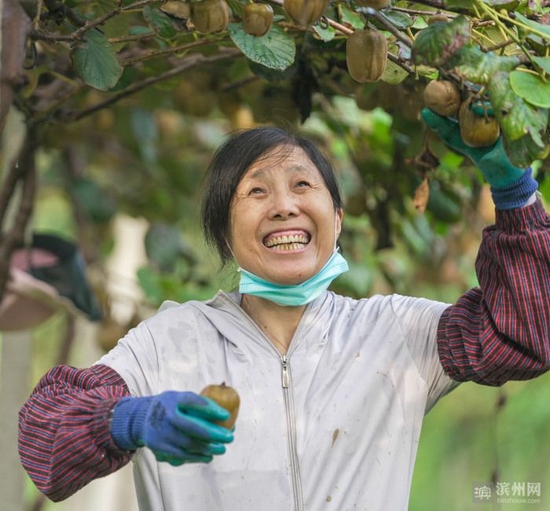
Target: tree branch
[170, 51]
[15, 236]
[188, 62]
[59, 11]
[440, 4]
[84, 26]
[373, 13]
[78, 34]
[8, 187]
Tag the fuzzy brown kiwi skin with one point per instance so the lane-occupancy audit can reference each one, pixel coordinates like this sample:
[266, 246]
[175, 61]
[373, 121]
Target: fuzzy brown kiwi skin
[228, 398]
[366, 55]
[476, 130]
[210, 16]
[443, 97]
[304, 12]
[437, 18]
[257, 19]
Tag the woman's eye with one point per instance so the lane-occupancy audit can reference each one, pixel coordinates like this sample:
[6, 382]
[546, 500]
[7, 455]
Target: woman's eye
[303, 183]
[256, 191]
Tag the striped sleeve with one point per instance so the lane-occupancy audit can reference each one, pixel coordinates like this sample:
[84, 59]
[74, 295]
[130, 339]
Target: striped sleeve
[64, 435]
[500, 331]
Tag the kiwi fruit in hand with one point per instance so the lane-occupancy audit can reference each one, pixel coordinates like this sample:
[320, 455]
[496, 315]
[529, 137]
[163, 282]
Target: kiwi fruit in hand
[228, 398]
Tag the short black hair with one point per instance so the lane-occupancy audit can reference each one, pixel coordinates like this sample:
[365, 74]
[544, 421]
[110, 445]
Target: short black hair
[230, 162]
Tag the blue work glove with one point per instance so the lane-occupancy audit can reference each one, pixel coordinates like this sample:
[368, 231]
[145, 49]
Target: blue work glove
[511, 186]
[176, 426]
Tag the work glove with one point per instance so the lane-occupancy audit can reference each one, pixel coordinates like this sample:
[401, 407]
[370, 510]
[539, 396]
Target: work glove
[511, 186]
[176, 426]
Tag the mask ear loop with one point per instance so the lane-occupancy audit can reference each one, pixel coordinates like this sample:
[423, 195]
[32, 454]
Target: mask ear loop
[336, 235]
[232, 254]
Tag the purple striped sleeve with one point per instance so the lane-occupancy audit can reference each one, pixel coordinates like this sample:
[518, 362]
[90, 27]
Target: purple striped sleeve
[64, 435]
[501, 330]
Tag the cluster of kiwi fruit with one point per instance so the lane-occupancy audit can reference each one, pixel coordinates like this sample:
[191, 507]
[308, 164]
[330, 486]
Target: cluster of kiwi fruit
[446, 99]
[212, 16]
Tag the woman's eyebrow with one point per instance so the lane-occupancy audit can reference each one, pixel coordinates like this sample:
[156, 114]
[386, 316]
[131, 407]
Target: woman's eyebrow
[256, 174]
[259, 173]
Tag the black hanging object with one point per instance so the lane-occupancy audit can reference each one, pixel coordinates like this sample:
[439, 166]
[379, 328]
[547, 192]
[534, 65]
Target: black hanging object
[67, 275]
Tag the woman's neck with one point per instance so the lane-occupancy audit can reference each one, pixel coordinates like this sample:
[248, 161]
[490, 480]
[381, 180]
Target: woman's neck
[277, 322]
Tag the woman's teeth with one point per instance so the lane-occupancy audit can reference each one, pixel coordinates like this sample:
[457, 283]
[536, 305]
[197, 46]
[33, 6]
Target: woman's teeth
[292, 242]
[288, 246]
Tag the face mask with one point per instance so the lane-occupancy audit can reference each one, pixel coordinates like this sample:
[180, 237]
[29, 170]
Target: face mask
[293, 295]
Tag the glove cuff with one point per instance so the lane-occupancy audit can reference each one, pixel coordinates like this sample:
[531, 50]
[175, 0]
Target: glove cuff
[128, 420]
[516, 194]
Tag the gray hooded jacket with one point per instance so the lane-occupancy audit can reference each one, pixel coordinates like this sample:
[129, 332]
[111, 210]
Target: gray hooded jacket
[334, 424]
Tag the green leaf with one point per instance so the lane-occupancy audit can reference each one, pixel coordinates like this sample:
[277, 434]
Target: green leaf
[325, 33]
[359, 278]
[543, 29]
[140, 30]
[515, 116]
[129, 75]
[539, 44]
[436, 44]
[458, 4]
[115, 25]
[163, 245]
[442, 205]
[419, 23]
[524, 151]
[98, 205]
[275, 50]
[95, 61]
[543, 63]
[145, 128]
[545, 189]
[531, 88]
[351, 18]
[496, 37]
[393, 73]
[507, 5]
[160, 22]
[478, 67]
[236, 7]
[149, 281]
[398, 19]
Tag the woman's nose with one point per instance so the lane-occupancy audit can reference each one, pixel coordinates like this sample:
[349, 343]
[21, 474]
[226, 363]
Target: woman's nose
[283, 205]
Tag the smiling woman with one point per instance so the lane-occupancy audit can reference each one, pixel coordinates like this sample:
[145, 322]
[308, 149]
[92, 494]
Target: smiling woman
[283, 196]
[333, 390]
[265, 148]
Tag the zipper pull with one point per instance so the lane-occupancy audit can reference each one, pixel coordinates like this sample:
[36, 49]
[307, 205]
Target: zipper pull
[285, 375]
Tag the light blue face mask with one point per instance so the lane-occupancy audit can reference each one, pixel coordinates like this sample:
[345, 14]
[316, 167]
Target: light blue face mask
[293, 295]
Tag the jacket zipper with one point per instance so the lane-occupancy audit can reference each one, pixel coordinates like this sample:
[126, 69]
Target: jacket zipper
[296, 480]
[291, 427]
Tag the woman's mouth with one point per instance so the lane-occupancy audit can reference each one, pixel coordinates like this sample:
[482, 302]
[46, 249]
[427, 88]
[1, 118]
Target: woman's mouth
[287, 242]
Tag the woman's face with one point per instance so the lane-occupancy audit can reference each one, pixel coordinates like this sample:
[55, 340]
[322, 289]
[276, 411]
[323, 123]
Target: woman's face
[283, 223]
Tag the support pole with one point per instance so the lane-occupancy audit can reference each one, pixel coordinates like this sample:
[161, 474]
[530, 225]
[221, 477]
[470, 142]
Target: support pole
[14, 391]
